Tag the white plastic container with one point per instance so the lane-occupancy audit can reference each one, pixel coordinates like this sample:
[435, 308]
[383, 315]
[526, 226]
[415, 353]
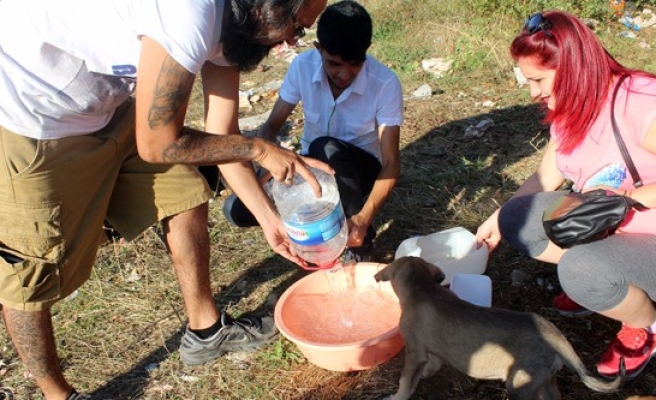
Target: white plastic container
[453, 250]
[476, 289]
[316, 226]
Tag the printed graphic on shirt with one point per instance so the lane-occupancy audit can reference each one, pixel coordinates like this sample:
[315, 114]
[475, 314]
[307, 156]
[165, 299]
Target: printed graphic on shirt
[611, 175]
[126, 69]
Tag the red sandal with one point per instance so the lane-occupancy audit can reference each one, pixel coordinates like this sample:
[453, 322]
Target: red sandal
[636, 345]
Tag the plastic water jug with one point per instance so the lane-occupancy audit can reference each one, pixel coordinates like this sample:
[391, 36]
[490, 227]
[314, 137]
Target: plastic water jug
[476, 289]
[316, 226]
[453, 250]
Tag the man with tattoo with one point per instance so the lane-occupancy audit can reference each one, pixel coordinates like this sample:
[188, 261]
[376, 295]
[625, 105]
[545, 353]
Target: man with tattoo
[94, 96]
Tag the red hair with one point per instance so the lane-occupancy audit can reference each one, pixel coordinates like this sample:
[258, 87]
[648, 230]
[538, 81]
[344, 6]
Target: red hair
[584, 73]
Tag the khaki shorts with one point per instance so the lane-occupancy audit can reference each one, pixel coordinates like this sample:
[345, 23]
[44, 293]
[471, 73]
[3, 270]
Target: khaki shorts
[56, 194]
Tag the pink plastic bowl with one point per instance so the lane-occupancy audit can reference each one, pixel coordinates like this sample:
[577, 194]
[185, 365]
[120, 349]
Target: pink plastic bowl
[342, 320]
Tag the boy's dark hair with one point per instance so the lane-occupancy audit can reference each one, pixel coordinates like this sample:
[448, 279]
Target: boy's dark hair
[344, 29]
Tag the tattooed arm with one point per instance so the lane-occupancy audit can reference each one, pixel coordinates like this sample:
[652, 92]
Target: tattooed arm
[221, 90]
[163, 91]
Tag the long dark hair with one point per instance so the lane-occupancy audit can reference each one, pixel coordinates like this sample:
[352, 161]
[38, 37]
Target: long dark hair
[251, 22]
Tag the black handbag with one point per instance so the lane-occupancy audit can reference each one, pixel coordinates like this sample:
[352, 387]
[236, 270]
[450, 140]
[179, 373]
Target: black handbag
[579, 218]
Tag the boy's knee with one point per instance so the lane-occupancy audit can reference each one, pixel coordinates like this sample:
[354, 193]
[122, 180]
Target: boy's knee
[322, 148]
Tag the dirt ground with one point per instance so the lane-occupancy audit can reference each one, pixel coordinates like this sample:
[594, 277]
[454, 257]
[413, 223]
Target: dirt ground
[128, 338]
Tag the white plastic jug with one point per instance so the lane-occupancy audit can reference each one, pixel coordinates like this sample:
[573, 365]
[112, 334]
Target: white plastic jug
[474, 288]
[453, 250]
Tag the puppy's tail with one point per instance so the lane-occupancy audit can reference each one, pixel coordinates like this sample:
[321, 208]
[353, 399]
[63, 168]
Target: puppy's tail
[599, 385]
[573, 361]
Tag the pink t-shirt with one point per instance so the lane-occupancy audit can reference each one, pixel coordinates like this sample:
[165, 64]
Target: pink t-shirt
[598, 161]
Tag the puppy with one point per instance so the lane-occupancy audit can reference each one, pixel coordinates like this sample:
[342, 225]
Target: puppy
[522, 349]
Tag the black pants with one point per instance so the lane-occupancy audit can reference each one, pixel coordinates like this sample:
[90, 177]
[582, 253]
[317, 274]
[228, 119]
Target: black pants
[212, 176]
[355, 172]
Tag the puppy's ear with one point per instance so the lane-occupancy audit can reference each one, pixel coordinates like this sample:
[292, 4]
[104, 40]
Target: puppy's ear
[439, 276]
[383, 275]
[435, 272]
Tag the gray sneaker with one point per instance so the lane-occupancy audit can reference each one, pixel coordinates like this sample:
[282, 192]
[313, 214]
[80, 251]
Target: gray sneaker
[243, 334]
[77, 396]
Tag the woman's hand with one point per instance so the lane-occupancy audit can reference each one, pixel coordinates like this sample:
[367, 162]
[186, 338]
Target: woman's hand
[488, 232]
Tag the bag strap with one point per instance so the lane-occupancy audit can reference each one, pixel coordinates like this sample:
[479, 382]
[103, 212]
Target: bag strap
[637, 181]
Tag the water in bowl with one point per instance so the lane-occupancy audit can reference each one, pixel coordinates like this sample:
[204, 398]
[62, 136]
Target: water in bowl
[345, 313]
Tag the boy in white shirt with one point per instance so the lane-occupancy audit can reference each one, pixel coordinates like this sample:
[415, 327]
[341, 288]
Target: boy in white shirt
[353, 109]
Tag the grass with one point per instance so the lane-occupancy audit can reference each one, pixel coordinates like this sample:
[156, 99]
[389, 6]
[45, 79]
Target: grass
[118, 337]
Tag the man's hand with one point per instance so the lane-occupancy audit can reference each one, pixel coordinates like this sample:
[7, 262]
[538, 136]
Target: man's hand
[283, 164]
[277, 238]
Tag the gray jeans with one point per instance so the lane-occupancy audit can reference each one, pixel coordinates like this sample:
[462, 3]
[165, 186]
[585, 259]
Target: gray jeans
[596, 275]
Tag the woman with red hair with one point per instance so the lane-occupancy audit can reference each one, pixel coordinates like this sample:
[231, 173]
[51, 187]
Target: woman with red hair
[573, 77]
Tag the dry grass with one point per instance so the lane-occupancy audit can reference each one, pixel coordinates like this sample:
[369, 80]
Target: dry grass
[118, 338]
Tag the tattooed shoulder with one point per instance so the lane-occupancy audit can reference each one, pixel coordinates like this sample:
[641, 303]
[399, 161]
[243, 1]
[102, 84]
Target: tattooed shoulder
[172, 90]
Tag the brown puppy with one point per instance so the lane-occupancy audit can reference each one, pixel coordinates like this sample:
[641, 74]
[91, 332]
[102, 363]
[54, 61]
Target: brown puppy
[522, 349]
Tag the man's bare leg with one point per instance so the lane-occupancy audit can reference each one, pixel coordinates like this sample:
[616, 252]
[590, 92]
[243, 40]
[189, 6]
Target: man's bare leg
[187, 238]
[32, 336]
[209, 335]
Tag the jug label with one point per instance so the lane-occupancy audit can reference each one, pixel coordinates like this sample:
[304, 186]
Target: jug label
[317, 232]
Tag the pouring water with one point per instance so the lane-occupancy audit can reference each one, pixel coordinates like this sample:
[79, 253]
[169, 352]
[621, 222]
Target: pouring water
[337, 282]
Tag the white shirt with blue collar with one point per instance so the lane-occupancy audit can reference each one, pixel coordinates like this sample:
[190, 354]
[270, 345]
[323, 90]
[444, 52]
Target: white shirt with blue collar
[374, 99]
